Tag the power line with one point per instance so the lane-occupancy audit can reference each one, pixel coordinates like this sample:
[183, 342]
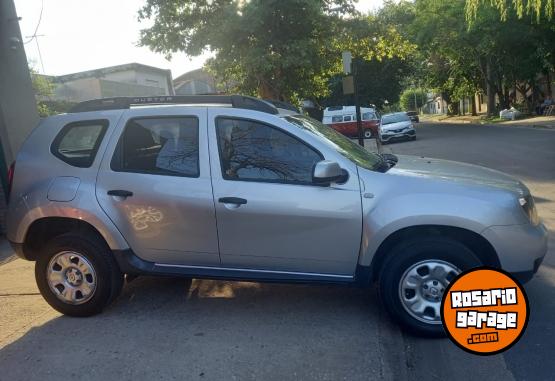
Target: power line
[34, 35]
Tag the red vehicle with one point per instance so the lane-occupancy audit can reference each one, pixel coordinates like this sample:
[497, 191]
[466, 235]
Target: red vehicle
[343, 119]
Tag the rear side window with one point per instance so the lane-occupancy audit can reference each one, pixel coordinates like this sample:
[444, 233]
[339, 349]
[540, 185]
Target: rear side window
[78, 142]
[159, 146]
[336, 119]
[347, 118]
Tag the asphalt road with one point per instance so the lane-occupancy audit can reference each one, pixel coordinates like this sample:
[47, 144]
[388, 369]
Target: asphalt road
[211, 330]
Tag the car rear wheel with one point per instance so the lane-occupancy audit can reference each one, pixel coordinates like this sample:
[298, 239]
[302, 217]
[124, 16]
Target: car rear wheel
[414, 277]
[77, 275]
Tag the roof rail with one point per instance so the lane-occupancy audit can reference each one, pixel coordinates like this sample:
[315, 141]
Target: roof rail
[118, 103]
[283, 105]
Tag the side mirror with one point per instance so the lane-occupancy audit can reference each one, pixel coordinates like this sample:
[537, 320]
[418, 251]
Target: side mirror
[327, 171]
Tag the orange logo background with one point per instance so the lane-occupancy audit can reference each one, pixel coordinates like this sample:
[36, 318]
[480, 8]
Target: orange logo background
[487, 340]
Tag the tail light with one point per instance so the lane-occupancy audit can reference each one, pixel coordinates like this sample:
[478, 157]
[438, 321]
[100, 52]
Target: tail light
[11, 171]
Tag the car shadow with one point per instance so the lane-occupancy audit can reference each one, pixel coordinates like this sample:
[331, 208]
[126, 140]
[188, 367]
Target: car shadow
[168, 328]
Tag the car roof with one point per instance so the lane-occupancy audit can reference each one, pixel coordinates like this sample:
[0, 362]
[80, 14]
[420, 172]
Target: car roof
[235, 101]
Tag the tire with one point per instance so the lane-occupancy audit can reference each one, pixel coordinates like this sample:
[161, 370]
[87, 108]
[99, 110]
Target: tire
[413, 138]
[368, 134]
[85, 260]
[414, 257]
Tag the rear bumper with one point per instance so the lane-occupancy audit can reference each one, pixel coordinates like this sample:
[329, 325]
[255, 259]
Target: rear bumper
[520, 248]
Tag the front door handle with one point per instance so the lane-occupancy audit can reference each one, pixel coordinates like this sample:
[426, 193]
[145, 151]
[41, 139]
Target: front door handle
[232, 200]
[120, 193]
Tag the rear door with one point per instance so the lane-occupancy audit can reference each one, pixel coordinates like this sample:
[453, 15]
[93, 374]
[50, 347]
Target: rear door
[271, 216]
[154, 183]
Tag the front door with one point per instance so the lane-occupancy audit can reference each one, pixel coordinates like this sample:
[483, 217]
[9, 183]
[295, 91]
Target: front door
[154, 183]
[270, 215]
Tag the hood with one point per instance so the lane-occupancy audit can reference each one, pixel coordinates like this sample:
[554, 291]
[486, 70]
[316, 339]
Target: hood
[396, 126]
[456, 172]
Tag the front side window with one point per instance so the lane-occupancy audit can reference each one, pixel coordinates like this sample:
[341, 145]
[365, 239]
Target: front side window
[347, 118]
[337, 141]
[336, 119]
[159, 146]
[252, 151]
[78, 142]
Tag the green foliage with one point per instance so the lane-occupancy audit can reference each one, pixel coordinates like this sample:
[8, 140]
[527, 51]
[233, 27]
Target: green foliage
[282, 49]
[533, 8]
[378, 82]
[456, 55]
[44, 90]
[413, 99]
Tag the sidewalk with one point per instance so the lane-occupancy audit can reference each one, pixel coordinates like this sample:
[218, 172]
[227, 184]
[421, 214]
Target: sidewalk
[533, 121]
[6, 251]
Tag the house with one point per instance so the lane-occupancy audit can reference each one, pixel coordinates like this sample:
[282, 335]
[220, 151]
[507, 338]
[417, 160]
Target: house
[131, 79]
[199, 82]
[195, 82]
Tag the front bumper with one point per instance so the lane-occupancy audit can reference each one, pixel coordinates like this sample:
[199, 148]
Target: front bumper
[520, 248]
[386, 136]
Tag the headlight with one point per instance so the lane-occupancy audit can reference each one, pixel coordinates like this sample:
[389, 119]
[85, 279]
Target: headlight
[529, 208]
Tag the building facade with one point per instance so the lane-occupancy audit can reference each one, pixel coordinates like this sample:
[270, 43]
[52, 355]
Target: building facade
[132, 79]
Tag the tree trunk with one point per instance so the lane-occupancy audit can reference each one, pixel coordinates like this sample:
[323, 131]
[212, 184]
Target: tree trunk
[489, 89]
[266, 91]
[473, 105]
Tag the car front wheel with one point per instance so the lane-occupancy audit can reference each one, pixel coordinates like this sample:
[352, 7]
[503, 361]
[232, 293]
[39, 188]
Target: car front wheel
[414, 277]
[77, 275]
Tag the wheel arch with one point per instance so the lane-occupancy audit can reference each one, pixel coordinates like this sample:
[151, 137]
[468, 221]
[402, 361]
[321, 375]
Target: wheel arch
[474, 241]
[44, 229]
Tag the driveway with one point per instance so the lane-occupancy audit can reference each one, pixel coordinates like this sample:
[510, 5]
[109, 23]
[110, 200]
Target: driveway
[164, 328]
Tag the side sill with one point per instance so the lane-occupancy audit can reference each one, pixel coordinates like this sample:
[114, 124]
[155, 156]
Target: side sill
[130, 263]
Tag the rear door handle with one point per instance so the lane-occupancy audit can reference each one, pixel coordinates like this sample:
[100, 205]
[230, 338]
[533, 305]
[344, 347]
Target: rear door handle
[232, 200]
[120, 193]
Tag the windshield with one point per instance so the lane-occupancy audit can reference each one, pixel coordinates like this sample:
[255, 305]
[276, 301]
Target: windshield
[394, 118]
[338, 142]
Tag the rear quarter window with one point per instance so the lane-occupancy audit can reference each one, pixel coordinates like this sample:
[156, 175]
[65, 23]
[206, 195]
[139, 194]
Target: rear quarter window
[78, 142]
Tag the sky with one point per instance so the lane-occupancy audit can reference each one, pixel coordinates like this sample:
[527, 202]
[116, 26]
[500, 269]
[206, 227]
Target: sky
[79, 35]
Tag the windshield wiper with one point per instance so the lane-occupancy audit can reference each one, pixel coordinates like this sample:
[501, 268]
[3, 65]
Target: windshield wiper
[387, 161]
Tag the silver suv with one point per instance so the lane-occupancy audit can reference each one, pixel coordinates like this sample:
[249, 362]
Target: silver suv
[233, 187]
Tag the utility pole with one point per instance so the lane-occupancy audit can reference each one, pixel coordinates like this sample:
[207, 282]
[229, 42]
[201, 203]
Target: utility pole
[357, 103]
[350, 86]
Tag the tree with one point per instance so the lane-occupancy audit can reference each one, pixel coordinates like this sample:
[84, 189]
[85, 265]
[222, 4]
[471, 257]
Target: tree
[413, 99]
[278, 49]
[43, 89]
[380, 77]
[534, 8]
[378, 82]
[488, 55]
